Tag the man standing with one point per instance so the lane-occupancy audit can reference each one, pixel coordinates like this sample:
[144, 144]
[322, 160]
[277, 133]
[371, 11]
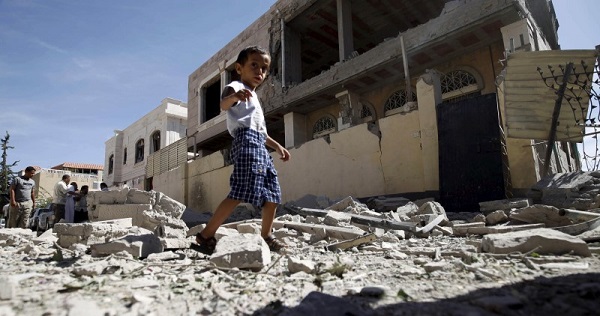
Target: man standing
[22, 199]
[60, 198]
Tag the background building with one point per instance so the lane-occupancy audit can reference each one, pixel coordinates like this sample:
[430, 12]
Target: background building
[127, 151]
[81, 173]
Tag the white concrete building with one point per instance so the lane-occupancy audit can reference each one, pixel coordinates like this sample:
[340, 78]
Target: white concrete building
[127, 151]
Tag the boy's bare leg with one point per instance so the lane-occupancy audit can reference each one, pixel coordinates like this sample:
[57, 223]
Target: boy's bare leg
[268, 215]
[221, 214]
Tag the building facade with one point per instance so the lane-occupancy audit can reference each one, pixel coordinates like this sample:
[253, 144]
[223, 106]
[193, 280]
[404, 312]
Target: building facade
[127, 152]
[393, 97]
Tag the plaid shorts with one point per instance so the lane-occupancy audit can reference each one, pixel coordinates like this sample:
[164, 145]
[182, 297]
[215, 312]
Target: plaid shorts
[254, 178]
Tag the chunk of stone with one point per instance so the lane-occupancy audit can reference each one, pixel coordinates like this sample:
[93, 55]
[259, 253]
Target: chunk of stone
[104, 212]
[540, 240]
[249, 228]
[345, 204]
[7, 289]
[334, 218]
[136, 196]
[25, 233]
[296, 265]
[224, 231]
[435, 266]
[169, 206]
[496, 217]
[407, 210]
[138, 245]
[504, 205]
[386, 204]
[545, 214]
[243, 251]
[434, 208]
[107, 197]
[90, 269]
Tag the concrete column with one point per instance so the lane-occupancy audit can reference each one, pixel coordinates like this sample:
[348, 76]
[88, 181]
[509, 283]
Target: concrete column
[344, 18]
[201, 105]
[429, 94]
[350, 109]
[295, 129]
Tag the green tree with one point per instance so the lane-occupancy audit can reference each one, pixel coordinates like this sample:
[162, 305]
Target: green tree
[6, 173]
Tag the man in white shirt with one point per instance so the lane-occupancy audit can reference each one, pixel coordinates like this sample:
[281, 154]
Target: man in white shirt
[60, 198]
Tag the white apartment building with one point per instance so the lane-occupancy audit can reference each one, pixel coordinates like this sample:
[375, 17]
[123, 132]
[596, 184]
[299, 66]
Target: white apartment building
[126, 153]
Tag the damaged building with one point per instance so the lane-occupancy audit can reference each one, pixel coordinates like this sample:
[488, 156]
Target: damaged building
[379, 98]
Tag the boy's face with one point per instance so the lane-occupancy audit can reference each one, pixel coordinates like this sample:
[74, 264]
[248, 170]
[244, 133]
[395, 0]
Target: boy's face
[254, 71]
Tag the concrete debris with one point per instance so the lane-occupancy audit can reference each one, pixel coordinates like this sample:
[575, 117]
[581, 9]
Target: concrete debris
[343, 256]
[541, 241]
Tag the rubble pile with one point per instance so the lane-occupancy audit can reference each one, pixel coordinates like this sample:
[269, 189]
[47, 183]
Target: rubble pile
[388, 256]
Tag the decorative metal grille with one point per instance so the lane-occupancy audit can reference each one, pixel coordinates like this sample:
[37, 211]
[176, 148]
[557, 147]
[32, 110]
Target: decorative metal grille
[456, 80]
[324, 125]
[398, 99]
[365, 112]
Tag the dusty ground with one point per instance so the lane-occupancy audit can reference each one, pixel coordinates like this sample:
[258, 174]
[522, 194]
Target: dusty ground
[418, 276]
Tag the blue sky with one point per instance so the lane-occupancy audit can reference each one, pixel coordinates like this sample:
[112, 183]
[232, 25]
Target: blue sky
[72, 71]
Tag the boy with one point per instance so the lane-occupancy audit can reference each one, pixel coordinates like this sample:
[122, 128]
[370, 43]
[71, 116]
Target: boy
[254, 179]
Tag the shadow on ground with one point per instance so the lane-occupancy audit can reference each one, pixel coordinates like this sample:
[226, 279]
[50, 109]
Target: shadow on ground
[575, 294]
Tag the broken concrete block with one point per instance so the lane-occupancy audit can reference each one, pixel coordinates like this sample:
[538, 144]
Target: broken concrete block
[175, 243]
[249, 228]
[104, 212]
[505, 205]
[169, 206]
[195, 230]
[90, 269]
[296, 265]
[139, 245]
[244, 251]
[496, 217]
[548, 215]
[479, 218]
[406, 211]
[434, 208]
[25, 233]
[7, 289]
[346, 203]
[541, 240]
[136, 196]
[334, 218]
[47, 237]
[386, 204]
[107, 197]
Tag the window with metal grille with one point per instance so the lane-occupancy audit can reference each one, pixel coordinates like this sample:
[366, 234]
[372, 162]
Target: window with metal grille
[458, 82]
[398, 99]
[367, 112]
[325, 125]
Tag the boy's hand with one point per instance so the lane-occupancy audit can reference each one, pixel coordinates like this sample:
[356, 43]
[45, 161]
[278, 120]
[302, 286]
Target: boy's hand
[243, 95]
[283, 153]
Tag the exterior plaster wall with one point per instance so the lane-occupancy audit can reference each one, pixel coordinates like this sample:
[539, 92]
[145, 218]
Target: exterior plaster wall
[171, 183]
[208, 182]
[45, 180]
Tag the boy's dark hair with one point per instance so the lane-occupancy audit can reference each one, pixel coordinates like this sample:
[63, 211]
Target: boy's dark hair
[243, 55]
[29, 169]
[65, 176]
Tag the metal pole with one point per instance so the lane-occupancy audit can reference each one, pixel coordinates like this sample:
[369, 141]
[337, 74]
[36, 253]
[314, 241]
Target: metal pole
[555, 115]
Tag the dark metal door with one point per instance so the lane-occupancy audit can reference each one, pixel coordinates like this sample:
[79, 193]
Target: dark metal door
[470, 153]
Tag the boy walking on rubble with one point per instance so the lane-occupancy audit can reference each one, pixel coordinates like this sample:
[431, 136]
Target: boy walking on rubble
[254, 178]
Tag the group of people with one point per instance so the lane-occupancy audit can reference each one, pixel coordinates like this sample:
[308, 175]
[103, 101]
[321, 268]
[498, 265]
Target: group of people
[70, 202]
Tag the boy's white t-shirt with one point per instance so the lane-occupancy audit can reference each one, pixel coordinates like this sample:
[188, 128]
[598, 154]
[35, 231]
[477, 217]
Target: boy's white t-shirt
[245, 113]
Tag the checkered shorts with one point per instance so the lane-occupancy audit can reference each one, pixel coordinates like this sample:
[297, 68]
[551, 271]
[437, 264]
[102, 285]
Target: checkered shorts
[254, 178]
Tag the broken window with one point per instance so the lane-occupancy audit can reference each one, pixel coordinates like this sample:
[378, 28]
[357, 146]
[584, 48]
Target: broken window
[139, 151]
[324, 126]
[398, 99]
[212, 106]
[111, 161]
[155, 137]
[458, 83]
[125, 156]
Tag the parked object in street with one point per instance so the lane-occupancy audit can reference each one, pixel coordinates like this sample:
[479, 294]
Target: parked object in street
[41, 219]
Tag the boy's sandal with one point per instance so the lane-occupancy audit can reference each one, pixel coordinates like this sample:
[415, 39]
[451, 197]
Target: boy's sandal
[206, 245]
[275, 244]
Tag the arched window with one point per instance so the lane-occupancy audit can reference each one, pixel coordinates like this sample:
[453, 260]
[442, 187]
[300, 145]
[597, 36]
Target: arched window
[125, 156]
[397, 100]
[155, 138]
[367, 112]
[111, 162]
[458, 84]
[139, 151]
[324, 126]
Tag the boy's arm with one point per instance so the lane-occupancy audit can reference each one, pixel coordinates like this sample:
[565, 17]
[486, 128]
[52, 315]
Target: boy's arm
[230, 98]
[284, 154]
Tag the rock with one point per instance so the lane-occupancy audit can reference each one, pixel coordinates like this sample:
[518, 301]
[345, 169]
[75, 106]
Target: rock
[548, 215]
[296, 265]
[243, 251]
[541, 240]
[496, 217]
